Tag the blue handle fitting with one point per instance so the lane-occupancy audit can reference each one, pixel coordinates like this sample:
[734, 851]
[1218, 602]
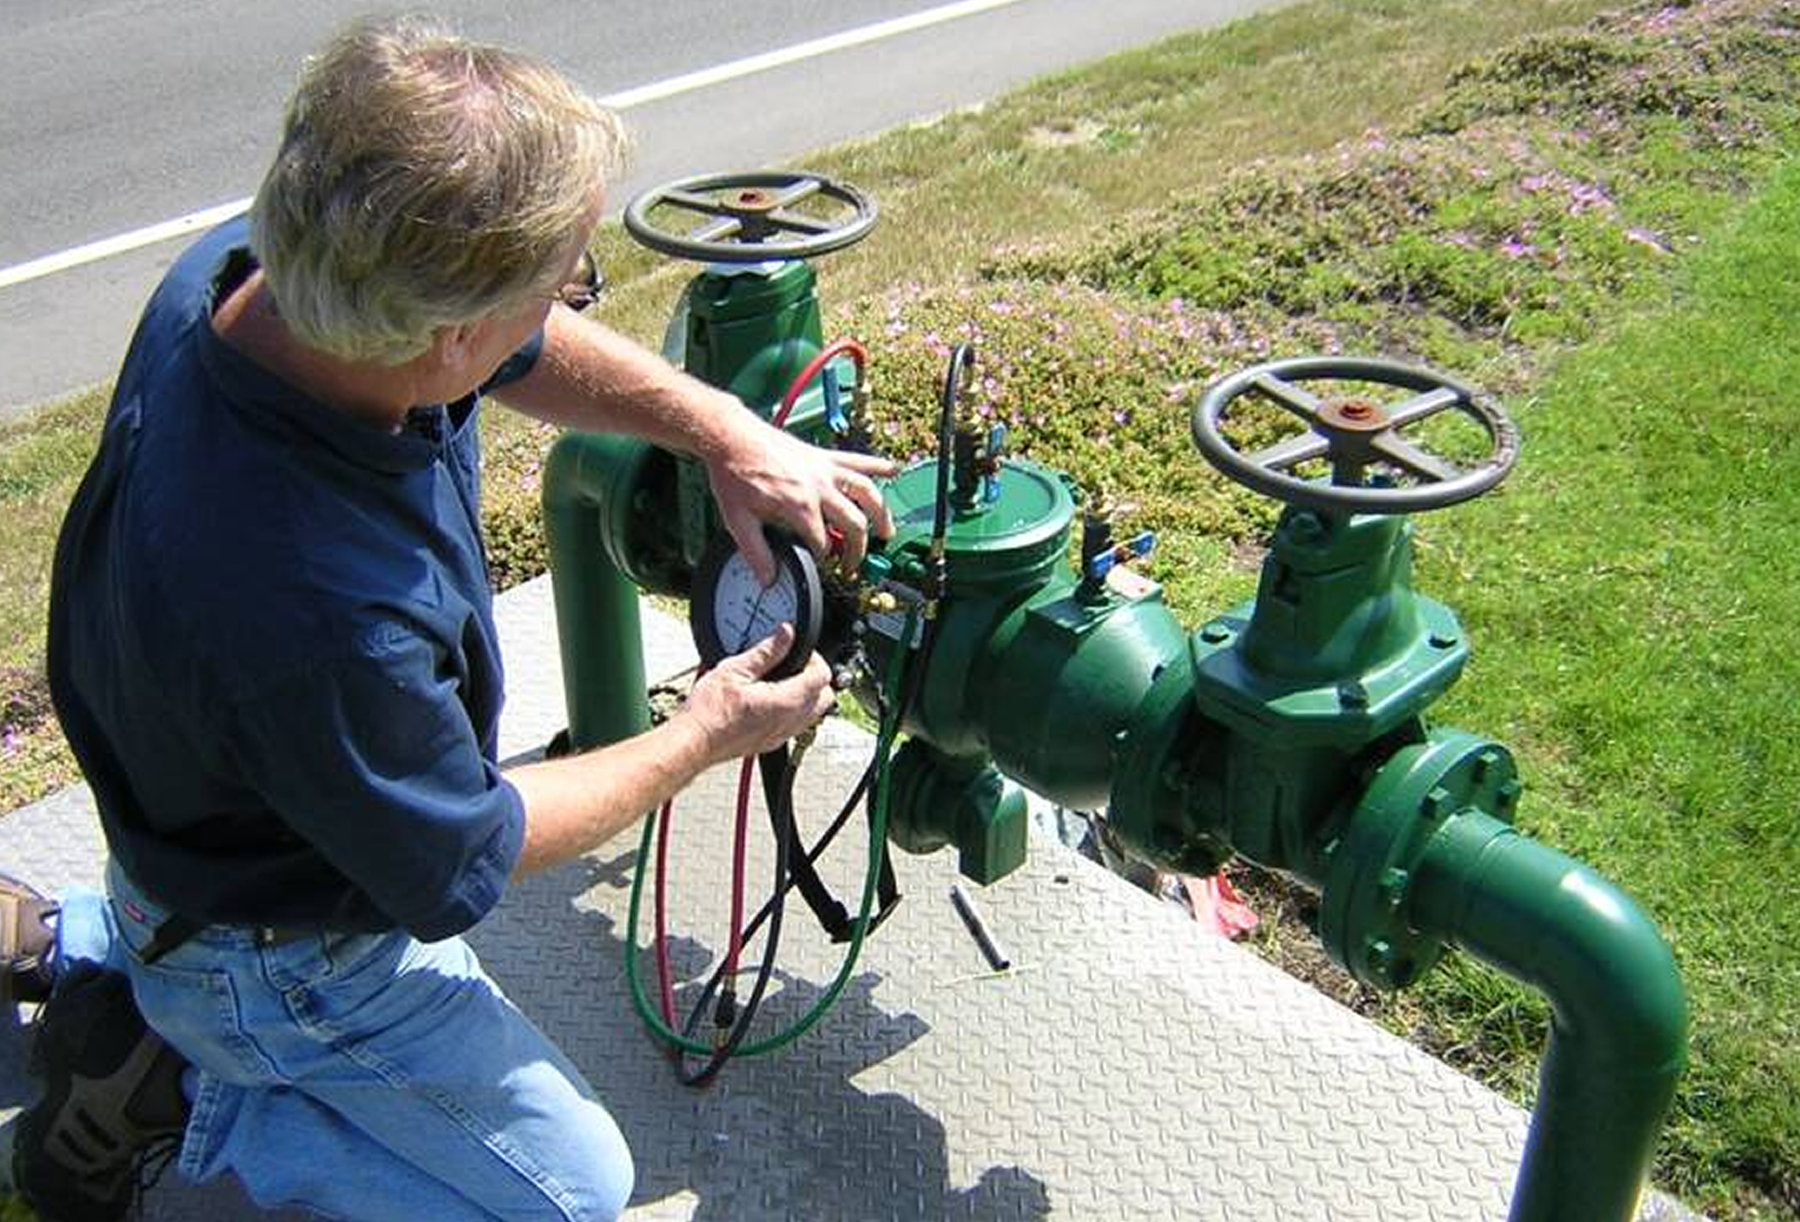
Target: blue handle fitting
[1123, 553]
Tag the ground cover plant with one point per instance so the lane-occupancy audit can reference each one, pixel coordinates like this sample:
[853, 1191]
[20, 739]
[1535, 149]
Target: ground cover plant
[1592, 219]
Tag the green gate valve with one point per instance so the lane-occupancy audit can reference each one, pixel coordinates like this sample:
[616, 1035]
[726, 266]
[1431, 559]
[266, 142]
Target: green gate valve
[620, 514]
[1420, 855]
[1336, 649]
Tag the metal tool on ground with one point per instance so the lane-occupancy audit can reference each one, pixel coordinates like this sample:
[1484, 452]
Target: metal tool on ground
[966, 908]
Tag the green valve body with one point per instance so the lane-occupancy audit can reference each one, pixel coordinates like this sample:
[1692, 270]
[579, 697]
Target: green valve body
[1026, 668]
[1291, 730]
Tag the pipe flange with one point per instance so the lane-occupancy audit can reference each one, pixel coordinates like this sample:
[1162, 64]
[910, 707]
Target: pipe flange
[1363, 915]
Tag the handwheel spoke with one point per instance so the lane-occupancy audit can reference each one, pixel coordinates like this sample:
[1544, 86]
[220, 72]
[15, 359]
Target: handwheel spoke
[799, 224]
[806, 188]
[1409, 457]
[1420, 406]
[1302, 403]
[718, 231]
[693, 203]
[1301, 447]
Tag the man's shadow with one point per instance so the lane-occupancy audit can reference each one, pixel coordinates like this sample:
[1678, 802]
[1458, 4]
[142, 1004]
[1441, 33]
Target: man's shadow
[784, 1135]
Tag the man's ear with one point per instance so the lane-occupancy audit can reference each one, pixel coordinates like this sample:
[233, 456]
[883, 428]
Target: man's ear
[451, 346]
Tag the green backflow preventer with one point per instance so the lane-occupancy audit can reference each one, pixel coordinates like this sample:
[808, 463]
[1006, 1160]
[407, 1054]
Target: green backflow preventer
[1290, 731]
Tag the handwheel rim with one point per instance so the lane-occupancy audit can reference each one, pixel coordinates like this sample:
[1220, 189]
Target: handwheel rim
[1232, 462]
[793, 187]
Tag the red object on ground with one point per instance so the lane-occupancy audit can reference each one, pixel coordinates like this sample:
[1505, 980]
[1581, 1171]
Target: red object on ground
[1218, 907]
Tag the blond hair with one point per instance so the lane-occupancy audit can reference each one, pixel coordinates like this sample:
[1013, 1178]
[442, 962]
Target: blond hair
[423, 181]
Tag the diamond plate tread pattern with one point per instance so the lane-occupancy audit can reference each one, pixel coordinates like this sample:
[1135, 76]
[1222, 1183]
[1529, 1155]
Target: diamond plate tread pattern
[1129, 1067]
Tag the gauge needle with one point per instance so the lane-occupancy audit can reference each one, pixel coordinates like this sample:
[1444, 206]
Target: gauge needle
[750, 624]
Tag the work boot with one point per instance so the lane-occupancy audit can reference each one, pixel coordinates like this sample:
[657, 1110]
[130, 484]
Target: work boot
[112, 1096]
[27, 940]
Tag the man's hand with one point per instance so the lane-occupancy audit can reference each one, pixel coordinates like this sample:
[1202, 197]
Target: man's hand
[575, 803]
[740, 713]
[765, 475]
[587, 377]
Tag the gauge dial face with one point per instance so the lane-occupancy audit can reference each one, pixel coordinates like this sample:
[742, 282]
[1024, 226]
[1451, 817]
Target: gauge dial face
[745, 611]
[731, 610]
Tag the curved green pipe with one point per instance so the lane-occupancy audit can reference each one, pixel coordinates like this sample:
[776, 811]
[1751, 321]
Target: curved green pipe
[599, 630]
[1618, 1038]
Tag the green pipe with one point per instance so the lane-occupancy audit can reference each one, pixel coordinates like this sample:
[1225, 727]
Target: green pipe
[1618, 1037]
[599, 630]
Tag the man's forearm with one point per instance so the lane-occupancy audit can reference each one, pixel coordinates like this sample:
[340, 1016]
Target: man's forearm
[591, 378]
[574, 804]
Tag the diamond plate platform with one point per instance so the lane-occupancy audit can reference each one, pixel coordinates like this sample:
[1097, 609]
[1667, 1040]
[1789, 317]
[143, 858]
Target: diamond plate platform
[1129, 1067]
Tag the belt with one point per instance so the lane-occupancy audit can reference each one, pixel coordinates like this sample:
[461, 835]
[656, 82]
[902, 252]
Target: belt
[178, 930]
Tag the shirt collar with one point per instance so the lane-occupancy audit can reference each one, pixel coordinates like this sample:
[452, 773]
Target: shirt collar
[277, 402]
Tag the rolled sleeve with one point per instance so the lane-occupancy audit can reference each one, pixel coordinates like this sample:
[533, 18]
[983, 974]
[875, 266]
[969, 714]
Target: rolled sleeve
[371, 758]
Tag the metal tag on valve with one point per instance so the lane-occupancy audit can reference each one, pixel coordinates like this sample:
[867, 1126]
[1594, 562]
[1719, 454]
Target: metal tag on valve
[892, 623]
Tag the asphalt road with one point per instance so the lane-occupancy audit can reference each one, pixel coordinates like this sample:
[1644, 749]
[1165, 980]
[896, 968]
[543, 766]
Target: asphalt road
[116, 115]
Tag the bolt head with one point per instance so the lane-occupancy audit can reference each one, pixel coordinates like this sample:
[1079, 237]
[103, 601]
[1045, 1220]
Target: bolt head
[1436, 803]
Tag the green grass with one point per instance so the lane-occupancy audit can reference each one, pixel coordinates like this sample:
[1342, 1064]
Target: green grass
[41, 461]
[1629, 596]
[1593, 219]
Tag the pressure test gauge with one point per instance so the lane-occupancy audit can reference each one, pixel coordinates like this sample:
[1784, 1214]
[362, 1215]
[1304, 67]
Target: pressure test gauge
[731, 610]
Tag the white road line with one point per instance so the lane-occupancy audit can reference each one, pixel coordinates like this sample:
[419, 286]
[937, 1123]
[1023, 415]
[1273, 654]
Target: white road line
[92, 252]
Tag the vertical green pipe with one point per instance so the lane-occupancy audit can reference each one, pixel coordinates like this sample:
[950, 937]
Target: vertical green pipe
[1618, 1038]
[598, 626]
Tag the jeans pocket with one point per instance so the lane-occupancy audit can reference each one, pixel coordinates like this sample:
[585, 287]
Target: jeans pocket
[199, 1010]
[354, 974]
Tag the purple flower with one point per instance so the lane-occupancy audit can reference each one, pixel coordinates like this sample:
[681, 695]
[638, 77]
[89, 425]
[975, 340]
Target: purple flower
[1588, 197]
[1513, 248]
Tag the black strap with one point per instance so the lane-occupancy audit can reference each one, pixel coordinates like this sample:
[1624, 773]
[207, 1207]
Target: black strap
[832, 916]
[172, 934]
[887, 887]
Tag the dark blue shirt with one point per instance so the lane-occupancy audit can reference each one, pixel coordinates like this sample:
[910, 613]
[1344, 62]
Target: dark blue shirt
[272, 641]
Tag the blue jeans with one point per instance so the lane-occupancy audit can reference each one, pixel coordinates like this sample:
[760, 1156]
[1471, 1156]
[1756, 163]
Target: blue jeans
[362, 1076]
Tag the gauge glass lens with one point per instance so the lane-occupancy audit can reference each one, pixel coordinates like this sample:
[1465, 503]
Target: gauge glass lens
[744, 611]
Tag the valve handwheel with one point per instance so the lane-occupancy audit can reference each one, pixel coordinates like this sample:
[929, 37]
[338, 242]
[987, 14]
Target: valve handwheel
[751, 217]
[1354, 433]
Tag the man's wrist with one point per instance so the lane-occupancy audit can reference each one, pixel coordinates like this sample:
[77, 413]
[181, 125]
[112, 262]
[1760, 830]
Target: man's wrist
[694, 744]
[722, 428]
